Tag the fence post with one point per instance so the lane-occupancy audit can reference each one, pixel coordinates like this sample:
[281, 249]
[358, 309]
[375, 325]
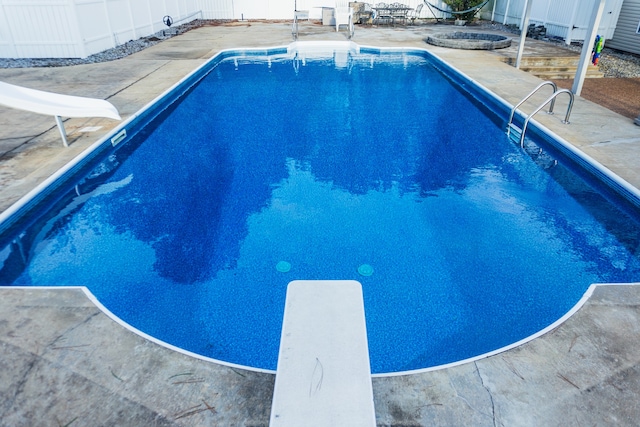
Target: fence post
[80, 42]
[114, 41]
[133, 22]
[569, 36]
[506, 13]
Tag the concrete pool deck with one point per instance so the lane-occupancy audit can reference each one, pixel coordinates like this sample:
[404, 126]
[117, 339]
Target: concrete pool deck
[65, 362]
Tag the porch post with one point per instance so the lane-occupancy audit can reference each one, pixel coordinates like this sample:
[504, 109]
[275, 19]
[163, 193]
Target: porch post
[585, 56]
[524, 27]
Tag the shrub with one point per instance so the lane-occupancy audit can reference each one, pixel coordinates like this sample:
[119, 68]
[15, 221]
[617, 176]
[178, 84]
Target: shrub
[462, 5]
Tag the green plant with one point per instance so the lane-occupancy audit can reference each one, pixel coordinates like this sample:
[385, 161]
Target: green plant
[464, 5]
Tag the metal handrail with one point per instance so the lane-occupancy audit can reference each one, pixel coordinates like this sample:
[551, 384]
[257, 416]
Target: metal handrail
[551, 99]
[555, 89]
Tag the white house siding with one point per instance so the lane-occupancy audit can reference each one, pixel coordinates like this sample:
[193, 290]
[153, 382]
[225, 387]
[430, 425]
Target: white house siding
[626, 36]
[567, 19]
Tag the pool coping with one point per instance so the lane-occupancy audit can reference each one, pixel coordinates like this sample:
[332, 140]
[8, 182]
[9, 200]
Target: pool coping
[94, 300]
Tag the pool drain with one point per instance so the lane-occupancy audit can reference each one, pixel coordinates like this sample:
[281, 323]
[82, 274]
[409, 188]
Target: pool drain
[283, 266]
[365, 270]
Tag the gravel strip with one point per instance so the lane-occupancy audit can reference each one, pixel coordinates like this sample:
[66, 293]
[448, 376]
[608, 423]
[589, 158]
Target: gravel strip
[613, 63]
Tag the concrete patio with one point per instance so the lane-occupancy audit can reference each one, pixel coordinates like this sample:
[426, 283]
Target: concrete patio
[67, 363]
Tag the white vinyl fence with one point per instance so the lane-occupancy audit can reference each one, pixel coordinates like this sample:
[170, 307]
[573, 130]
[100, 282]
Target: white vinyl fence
[79, 28]
[567, 19]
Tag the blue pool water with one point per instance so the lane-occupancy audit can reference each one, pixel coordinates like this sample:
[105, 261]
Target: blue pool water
[376, 169]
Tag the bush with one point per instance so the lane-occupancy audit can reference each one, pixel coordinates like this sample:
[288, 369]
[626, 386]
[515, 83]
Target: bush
[462, 5]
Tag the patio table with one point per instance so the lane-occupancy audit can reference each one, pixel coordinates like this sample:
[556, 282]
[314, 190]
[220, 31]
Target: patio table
[391, 14]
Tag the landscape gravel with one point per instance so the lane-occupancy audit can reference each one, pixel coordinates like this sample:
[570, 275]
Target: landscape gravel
[613, 63]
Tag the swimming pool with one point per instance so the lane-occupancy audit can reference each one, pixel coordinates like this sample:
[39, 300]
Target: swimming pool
[308, 165]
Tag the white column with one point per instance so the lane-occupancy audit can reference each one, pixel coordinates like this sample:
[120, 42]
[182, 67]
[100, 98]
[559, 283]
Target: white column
[524, 26]
[585, 56]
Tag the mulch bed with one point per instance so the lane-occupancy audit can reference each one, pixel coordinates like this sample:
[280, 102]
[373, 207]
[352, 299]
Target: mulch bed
[621, 95]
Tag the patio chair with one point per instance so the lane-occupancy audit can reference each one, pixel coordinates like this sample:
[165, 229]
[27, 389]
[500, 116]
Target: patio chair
[344, 15]
[415, 14]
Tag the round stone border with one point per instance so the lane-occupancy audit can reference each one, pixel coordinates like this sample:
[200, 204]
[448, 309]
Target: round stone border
[474, 41]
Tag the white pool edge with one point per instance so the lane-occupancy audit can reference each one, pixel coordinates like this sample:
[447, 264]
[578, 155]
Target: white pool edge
[579, 305]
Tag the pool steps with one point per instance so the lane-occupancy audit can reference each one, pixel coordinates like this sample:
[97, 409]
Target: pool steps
[323, 376]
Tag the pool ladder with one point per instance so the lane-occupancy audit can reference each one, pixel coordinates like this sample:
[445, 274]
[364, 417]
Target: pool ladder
[517, 134]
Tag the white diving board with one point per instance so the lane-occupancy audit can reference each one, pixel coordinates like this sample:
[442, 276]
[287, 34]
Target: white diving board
[323, 376]
[57, 105]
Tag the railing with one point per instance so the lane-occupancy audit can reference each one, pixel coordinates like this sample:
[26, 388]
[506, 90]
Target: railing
[540, 86]
[551, 100]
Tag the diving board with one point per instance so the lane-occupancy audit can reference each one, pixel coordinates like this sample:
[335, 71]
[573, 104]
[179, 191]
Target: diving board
[57, 105]
[323, 376]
